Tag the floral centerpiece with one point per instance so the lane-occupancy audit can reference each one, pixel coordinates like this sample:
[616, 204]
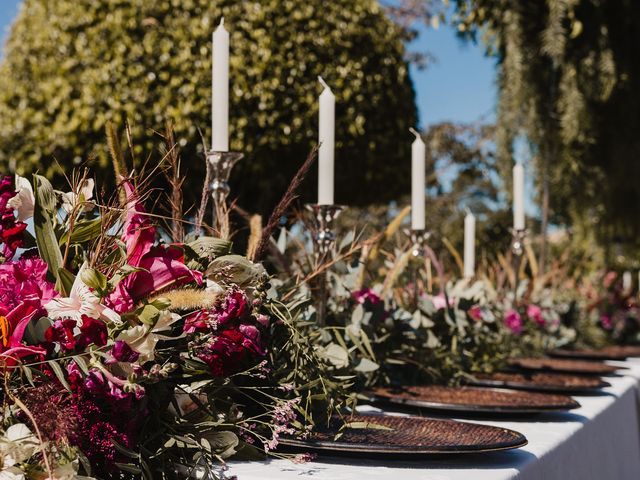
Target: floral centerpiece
[127, 355]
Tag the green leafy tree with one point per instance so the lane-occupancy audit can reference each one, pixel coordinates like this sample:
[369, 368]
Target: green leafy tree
[72, 66]
[569, 81]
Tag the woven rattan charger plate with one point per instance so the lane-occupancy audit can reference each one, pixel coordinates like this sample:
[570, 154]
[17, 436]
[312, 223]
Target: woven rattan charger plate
[609, 353]
[561, 365]
[408, 436]
[472, 399]
[541, 382]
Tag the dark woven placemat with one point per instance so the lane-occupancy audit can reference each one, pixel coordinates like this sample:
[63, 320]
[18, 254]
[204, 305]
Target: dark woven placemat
[627, 350]
[409, 435]
[564, 365]
[472, 399]
[542, 382]
[608, 353]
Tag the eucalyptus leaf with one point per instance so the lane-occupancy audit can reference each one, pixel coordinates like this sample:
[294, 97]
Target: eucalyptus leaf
[366, 366]
[84, 231]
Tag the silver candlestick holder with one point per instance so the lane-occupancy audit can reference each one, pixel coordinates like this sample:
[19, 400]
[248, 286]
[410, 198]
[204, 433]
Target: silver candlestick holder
[517, 249]
[419, 240]
[323, 217]
[323, 239]
[221, 165]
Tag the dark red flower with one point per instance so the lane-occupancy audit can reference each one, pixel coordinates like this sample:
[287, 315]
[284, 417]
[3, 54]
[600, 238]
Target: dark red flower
[92, 331]
[233, 307]
[365, 295]
[11, 231]
[61, 332]
[225, 354]
[198, 321]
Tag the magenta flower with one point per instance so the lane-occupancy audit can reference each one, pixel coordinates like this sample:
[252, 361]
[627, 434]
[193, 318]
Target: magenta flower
[513, 321]
[12, 328]
[535, 313]
[475, 313]
[606, 322]
[365, 295]
[24, 279]
[161, 267]
[122, 352]
[234, 307]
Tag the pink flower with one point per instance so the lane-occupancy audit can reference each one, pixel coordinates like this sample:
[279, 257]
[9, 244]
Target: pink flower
[513, 321]
[12, 328]
[440, 301]
[475, 313]
[535, 313]
[606, 322]
[161, 267]
[365, 295]
[24, 279]
[609, 278]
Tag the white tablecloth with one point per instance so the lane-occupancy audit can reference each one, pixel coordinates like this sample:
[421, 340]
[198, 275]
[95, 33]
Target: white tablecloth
[598, 441]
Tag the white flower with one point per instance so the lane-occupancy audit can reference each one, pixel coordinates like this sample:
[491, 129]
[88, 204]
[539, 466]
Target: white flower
[68, 471]
[71, 199]
[81, 301]
[16, 445]
[143, 338]
[24, 201]
[12, 473]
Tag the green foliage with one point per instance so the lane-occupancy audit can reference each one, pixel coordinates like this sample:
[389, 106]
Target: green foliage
[71, 67]
[569, 81]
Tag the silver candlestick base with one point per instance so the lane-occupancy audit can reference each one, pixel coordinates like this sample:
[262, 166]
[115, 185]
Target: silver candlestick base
[418, 239]
[323, 218]
[517, 249]
[517, 244]
[221, 165]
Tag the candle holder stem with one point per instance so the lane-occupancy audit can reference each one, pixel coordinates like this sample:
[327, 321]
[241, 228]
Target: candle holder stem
[418, 241]
[517, 250]
[221, 165]
[323, 239]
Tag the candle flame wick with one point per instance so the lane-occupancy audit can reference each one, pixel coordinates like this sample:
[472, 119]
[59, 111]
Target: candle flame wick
[466, 209]
[415, 132]
[323, 83]
[222, 22]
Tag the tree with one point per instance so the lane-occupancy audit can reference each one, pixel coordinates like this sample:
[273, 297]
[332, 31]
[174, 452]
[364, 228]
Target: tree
[72, 66]
[569, 81]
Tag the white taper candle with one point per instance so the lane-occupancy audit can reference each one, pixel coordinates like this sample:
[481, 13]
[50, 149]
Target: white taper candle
[418, 182]
[469, 245]
[326, 137]
[220, 90]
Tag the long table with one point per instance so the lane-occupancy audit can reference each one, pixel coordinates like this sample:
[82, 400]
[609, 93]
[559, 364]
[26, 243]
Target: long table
[599, 441]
